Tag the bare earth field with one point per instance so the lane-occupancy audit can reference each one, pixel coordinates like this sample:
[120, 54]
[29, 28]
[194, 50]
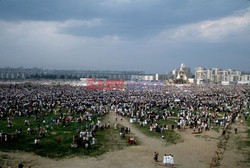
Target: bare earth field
[195, 151]
[235, 156]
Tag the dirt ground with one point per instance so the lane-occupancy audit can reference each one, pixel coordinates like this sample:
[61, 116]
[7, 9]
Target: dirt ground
[235, 156]
[195, 151]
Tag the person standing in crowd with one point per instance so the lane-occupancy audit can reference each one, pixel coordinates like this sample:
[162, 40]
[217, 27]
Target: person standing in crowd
[171, 160]
[165, 159]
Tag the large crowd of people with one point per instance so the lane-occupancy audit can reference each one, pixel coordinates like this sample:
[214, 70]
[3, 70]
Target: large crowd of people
[199, 107]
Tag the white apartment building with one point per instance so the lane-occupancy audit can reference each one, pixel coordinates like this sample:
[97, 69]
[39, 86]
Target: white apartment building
[218, 76]
[202, 75]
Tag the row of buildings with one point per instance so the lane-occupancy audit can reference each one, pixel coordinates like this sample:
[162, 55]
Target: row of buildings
[20, 73]
[38, 73]
[213, 75]
[182, 74]
[220, 76]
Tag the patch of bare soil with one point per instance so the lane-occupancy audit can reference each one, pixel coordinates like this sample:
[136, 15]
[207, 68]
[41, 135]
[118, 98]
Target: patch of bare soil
[236, 155]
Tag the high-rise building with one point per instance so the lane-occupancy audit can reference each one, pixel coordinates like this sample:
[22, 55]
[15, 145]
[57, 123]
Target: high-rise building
[202, 75]
[217, 75]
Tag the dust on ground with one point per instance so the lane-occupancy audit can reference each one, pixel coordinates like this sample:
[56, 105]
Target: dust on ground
[234, 155]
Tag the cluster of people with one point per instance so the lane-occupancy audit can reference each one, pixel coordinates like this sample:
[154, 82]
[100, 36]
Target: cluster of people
[167, 160]
[9, 137]
[86, 136]
[124, 131]
[218, 106]
[199, 107]
[25, 100]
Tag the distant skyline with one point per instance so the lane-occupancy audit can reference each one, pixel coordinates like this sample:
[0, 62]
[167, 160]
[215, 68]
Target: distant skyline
[170, 71]
[154, 36]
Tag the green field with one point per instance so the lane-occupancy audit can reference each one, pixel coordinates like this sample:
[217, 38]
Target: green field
[107, 139]
[171, 137]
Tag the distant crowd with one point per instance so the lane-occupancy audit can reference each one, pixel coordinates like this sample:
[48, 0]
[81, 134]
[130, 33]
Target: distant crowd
[196, 107]
[200, 107]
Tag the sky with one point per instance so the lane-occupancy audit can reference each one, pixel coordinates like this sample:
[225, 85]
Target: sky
[154, 36]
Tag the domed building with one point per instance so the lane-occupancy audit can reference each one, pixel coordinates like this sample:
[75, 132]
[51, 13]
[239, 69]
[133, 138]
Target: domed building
[182, 73]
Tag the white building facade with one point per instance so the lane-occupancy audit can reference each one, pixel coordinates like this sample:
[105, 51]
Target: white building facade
[219, 76]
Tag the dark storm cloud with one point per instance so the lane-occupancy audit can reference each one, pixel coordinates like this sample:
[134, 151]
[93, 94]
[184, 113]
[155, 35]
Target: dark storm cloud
[123, 17]
[150, 35]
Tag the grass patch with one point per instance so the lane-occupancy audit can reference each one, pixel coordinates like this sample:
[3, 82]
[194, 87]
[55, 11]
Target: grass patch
[3, 157]
[171, 137]
[107, 139]
[216, 128]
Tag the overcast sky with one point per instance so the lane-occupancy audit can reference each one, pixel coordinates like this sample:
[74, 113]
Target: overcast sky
[150, 35]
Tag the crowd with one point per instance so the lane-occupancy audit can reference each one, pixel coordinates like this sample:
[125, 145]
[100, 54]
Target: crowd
[23, 100]
[200, 107]
[167, 160]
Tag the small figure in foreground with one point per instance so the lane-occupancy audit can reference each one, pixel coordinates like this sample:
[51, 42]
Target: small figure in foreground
[156, 156]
